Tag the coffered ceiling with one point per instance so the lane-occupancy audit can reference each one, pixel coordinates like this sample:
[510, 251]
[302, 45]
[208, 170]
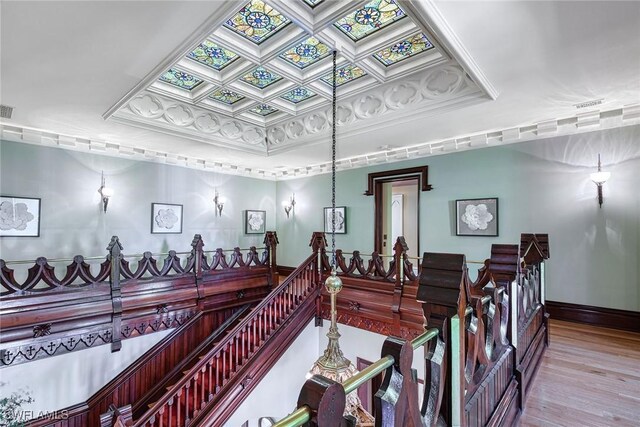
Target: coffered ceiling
[245, 87]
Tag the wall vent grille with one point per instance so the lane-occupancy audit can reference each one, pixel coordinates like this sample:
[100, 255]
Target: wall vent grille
[591, 103]
[6, 111]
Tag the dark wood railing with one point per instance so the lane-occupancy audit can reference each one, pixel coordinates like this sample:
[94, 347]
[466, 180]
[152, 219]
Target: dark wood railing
[491, 334]
[46, 315]
[206, 384]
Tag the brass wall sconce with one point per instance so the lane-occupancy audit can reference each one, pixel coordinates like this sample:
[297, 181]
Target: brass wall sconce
[218, 201]
[599, 178]
[105, 193]
[288, 205]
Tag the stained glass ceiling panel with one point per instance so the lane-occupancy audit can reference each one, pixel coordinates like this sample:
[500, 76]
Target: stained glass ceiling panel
[403, 49]
[209, 53]
[226, 96]
[306, 52]
[298, 94]
[372, 17]
[263, 110]
[345, 74]
[261, 78]
[180, 79]
[257, 21]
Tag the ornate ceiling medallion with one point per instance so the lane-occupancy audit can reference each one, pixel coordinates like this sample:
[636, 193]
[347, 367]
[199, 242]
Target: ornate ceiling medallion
[345, 74]
[372, 17]
[212, 55]
[306, 53]
[257, 21]
[261, 77]
[180, 79]
[226, 96]
[403, 49]
[298, 94]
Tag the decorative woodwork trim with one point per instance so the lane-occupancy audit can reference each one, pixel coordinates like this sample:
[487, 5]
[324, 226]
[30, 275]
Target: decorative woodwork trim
[375, 326]
[420, 172]
[598, 316]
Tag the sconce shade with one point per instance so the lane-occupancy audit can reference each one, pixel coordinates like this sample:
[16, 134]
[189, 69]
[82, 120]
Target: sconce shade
[107, 192]
[600, 177]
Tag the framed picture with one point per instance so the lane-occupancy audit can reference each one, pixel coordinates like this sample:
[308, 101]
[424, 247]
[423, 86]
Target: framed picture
[477, 217]
[166, 218]
[19, 216]
[254, 222]
[341, 220]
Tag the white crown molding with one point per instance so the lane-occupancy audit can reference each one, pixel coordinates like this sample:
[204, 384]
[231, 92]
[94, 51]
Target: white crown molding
[627, 115]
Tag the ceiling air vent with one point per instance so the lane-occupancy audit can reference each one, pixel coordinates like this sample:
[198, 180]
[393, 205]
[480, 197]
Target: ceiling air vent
[591, 103]
[5, 111]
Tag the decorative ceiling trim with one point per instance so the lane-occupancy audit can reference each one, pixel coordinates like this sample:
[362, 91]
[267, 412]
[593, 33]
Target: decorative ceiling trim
[627, 115]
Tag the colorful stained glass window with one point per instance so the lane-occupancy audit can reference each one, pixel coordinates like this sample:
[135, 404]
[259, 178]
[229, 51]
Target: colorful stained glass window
[257, 21]
[298, 94]
[306, 53]
[227, 96]
[180, 79]
[264, 109]
[313, 3]
[345, 74]
[372, 17]
[209, 53]
[261, 77]
[403, 49]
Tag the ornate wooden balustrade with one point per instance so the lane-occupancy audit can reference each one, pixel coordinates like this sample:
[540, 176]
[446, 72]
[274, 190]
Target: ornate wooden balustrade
[46, 315]
[374, 297]
[490, 332]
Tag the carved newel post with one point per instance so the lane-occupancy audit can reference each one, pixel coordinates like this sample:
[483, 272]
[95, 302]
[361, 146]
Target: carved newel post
[271, 242]
[115, 256]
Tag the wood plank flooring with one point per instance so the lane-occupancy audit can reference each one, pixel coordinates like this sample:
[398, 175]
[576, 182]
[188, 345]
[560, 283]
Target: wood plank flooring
[589, 376]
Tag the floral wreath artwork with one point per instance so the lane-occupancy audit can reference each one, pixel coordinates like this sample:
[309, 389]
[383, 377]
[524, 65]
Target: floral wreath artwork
[166, 218]
[19, 216]
[255, 222]
[477, 217]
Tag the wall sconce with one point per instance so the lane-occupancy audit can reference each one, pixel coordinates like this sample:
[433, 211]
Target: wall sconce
[105, 193]
[288, 206]
[598, 179]
[218, 201]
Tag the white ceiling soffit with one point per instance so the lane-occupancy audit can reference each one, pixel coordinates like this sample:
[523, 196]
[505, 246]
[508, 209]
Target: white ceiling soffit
[260, 81]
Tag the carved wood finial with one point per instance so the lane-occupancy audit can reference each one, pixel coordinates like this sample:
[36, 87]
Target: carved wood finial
[115, 246]
[318, 241]
[197, 243]
[270, 238]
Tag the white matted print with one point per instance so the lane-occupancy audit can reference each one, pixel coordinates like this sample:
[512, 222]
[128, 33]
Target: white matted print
[255, 222]
[477, 217]
[341, 220]
[166, 218]
[19, 216]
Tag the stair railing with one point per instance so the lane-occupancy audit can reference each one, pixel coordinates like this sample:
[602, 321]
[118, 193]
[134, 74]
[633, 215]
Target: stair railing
[205, 380]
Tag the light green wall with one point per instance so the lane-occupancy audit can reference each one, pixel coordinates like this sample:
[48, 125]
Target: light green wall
[543, 186]
[72, 221]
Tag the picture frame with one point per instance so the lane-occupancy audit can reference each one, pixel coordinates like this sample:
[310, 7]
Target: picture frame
[477, 217]
[255, 221]
[341, 222]
[166, 218]
[19, 216]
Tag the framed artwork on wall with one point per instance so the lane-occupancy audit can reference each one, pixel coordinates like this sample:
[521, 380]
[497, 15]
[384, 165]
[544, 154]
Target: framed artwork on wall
[477, 217]
[19, 216]
[255, 222]
[341, 220]
[166, 218]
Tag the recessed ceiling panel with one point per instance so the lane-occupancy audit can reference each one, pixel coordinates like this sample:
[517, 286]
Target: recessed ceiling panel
[298, 94]
[345, 74]
[306, 52]
[257, 21]
[263, 110]
[226, 96]
[372, 17]
[261, 77]
[209, 53]
[180, 79]
[403, 49]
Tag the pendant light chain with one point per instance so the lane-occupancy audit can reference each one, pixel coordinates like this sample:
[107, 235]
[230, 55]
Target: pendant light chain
[333, 168]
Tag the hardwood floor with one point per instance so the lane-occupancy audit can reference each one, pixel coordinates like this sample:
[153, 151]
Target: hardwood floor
[589, 376]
